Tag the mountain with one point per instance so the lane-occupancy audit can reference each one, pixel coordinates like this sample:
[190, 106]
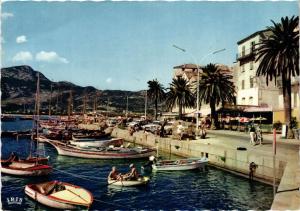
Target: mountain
[18, 88]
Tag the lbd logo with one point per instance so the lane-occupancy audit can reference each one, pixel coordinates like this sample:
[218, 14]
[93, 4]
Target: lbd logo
[14, 200]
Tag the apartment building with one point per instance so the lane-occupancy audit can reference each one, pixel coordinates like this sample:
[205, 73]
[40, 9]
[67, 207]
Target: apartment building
[251, 89]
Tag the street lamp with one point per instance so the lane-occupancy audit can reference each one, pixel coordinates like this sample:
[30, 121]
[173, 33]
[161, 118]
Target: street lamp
[198, 75]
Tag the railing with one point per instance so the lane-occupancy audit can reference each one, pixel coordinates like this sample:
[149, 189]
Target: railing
[246, 53]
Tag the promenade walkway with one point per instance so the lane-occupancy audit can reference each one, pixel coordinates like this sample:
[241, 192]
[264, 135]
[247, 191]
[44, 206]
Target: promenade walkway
[288, 192]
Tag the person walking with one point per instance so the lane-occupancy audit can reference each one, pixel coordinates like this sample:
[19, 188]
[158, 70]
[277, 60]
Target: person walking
[252, 135]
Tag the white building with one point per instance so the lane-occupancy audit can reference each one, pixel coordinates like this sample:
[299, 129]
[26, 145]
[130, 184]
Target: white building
[251, 89]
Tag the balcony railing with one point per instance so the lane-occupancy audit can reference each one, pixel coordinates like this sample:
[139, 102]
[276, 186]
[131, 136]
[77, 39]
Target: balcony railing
[246, 53]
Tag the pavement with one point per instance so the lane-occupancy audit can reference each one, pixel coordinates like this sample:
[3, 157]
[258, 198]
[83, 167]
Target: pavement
[288, 195]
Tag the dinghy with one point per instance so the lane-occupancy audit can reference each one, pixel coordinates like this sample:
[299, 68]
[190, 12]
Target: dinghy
[101, 153]
[60, 195]
[128, 183]
[179, 165]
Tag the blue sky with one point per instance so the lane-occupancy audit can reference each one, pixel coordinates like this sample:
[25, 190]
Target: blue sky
[122, 45]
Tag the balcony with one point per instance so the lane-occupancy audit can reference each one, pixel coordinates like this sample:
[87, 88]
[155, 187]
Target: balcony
[246, 54]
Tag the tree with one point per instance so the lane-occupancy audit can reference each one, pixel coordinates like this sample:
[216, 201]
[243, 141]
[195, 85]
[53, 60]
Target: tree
[180, 95]
[279, 57]
[215, 87]
[156, 92]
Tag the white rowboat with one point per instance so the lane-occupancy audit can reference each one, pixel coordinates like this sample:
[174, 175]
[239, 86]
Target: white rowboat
[60, 195]
[25, 169]
[179, 165]
[128, 183]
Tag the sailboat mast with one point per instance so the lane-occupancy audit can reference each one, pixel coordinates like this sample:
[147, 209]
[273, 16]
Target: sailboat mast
[37, 106]
[50, 101]
[70, 105]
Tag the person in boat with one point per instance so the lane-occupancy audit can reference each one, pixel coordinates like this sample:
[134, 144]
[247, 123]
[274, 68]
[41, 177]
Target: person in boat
[114, 174]
[133, 174]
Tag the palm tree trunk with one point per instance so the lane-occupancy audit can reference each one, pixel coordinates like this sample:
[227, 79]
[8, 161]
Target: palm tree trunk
[214, 117]
[287, 89]
[180, 110]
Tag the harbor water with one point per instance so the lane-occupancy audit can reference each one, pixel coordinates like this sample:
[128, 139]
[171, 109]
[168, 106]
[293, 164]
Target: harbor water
[211, 189]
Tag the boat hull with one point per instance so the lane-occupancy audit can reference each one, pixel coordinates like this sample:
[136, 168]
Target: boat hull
[128, 183]
[180, 167]
[53, 202]
[94, 154]
[39, 170]
[115, 142]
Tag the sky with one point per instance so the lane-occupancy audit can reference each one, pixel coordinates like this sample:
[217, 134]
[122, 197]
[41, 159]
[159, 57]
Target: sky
[122, 45]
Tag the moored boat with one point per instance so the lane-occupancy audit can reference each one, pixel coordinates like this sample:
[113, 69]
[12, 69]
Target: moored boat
[128, 183]
[60, 195]
[101, 153]
[117, 142]
[179, 165]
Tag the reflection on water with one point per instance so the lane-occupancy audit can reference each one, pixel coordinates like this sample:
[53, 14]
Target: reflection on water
[210, 189]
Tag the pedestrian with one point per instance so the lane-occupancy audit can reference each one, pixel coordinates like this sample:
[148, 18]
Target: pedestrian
[252, 134]
[252, 168]
[259, 135]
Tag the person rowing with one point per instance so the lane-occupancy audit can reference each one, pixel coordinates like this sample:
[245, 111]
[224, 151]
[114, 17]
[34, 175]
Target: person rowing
[133, 174]
[114, 174]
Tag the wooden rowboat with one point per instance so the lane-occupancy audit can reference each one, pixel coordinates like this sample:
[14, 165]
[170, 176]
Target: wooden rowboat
[26, 169]
[32, 166]
[179, 165]
[101, 153]
[117, 142]
[128, 183]
[60, 195]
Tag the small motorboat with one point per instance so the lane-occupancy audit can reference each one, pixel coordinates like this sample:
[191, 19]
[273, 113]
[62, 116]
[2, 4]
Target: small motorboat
[179, 165]
[60, 195]
[128, 183]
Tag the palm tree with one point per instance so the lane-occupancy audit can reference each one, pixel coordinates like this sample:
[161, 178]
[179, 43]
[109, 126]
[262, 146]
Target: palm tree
[215, 87]
[279, 57]
[156, 92]
[180, 95]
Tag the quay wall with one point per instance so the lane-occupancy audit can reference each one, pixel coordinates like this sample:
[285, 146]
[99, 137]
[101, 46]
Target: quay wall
[225, 157]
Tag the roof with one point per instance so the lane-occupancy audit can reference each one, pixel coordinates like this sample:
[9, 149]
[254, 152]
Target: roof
[252, 35]
[187, 66]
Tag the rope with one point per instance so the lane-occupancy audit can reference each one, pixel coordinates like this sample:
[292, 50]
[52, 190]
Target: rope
[93, 179]
[281, 191]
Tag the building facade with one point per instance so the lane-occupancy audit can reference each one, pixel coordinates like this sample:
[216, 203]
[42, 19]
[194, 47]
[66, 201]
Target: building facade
[252, 90]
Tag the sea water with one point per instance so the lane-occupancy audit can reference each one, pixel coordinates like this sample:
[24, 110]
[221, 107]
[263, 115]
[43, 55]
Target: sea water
[211, 189]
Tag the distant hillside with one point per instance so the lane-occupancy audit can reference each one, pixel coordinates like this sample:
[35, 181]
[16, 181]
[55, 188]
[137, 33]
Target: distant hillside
[18, 87]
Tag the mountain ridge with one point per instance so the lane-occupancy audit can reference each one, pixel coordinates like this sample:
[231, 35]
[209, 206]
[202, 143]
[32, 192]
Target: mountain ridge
[18, 88]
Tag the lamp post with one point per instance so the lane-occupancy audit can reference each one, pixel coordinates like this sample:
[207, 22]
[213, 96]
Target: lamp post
[198, 75]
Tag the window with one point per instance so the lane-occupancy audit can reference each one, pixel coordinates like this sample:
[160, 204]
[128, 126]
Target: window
[243, 101]
[252, 45]
[295, 99]
[243, 84]
[250, 100]
[251, 65]
[251, 82]
[243, 50]
[243, 68]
